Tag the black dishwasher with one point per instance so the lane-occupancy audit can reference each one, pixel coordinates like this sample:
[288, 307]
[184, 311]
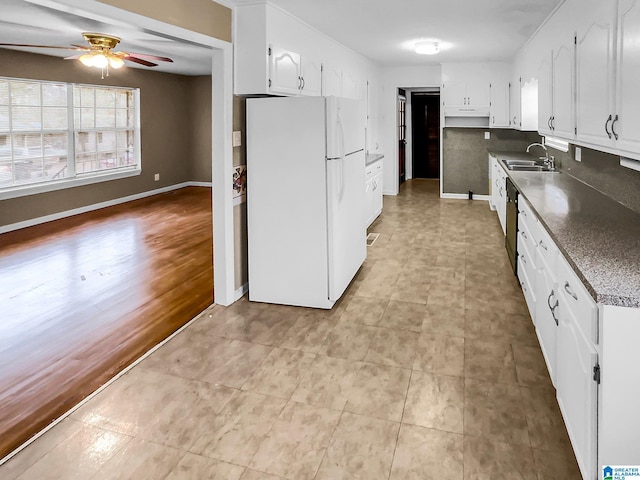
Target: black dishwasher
[511, 240]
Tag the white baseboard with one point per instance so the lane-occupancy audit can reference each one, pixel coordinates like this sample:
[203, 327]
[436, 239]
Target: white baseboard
[464, 196]
[239, 293]
[97, 206]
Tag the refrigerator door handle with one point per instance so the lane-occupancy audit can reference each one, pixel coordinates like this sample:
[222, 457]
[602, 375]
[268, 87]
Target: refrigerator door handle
[340, 125]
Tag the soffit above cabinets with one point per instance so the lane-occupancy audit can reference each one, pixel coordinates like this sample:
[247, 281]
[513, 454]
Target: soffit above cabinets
[386, 30]
[23, 21]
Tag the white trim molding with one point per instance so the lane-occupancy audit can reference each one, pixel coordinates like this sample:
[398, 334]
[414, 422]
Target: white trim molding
[239, 293]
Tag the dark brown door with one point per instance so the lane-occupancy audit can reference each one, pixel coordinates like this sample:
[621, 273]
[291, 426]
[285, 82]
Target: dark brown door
[402, 134]
[425, 134]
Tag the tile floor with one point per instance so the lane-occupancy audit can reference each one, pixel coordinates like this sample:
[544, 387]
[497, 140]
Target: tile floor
[428, 368]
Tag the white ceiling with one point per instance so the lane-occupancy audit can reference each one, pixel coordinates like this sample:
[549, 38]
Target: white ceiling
[382, 30]
[23, 21]
[386, 30]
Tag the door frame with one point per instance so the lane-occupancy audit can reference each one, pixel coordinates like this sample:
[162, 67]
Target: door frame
[410, 91]
[221, 125]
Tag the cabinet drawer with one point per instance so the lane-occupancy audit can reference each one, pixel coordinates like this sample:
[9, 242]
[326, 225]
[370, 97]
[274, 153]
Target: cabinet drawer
[576, 302]
[528, 218]
[527, 259]
[547, 249]
[525, 236]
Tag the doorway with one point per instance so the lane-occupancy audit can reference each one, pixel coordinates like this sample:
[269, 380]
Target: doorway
[402, 135]
[425, 134]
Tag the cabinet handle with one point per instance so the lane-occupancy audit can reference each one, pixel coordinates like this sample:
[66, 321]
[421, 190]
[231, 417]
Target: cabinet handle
[553, 307]
[524, 287]
[543, 245]
[549, 123]
[303, 83]
[613, 125]
[553, 122]
[524, 260]
[606, 126]
[567, 288]
[524, 234]
[523, 213]
[514, 121]
[494, 119]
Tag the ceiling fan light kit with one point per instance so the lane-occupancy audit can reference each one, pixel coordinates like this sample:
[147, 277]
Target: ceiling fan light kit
[100, 54]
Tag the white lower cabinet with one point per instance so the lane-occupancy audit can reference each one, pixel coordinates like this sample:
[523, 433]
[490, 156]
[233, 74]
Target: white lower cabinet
[373, 192]
[499, 191]
[576, 389]
[547, 317]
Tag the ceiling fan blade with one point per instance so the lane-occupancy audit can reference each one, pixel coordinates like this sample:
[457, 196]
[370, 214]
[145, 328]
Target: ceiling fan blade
[145, 56]
[139, 60]
[38, 46]
[81, 47]
[74, 57]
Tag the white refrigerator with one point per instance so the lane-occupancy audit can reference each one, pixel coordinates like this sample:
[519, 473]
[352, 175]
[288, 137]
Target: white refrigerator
[305, 198]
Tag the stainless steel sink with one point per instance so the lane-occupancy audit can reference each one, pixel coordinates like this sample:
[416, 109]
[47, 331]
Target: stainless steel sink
[519, 162]
[530, 168]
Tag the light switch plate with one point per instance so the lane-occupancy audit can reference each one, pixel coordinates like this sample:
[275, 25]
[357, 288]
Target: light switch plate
[237, 139]
[578, 155]
[487, 135]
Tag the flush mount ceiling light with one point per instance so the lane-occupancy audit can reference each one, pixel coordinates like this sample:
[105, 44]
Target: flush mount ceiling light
[427, 47]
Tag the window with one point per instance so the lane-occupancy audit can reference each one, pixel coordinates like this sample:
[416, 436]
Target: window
[56, 135]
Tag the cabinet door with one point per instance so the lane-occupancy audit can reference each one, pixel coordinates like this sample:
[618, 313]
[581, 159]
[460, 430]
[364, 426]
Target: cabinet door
[349, 86]
[627, 126]
[478, 93]
[545, 99]
[455, 93]
[501, 205]
[514, 103]
[311, 77]
[547, 317]
[529, 104]
[562, 123]
[332, 82]
[594, 73]
[284, 71]
[377, 197]
[576, 389]
[499, 110]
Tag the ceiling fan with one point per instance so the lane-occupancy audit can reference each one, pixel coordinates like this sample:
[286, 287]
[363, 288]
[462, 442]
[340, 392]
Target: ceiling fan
[99, 53]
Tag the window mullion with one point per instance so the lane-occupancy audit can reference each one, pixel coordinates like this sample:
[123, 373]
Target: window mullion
[71, 133]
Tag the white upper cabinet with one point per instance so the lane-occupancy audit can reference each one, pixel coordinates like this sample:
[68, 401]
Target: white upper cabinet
[625, 125]
[562, 118]
[500, 97]
[285, 71]
[555, 89]
[515, 105]
[276, 54]
[311, 77]
[332, 84]
[607, 72]
[595, 44]
[545, 99]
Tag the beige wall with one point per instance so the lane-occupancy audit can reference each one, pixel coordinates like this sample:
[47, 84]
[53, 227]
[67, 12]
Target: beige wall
[200, 111]
[167, 118]
[202, 16]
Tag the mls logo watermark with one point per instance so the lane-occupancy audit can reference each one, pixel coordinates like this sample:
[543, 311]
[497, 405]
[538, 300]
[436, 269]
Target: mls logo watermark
[621, 472]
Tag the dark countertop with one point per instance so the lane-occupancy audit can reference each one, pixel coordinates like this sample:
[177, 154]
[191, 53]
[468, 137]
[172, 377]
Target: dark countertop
[373, 158]
[599, 237]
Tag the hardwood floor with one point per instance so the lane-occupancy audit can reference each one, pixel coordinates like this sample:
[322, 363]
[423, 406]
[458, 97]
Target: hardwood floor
[83, 297]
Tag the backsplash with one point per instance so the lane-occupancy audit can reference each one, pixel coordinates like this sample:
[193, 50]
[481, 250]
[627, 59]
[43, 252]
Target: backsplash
[603, 172]
[465, 156]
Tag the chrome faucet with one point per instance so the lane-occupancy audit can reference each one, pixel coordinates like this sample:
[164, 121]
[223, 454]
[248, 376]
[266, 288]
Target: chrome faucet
[546, 152]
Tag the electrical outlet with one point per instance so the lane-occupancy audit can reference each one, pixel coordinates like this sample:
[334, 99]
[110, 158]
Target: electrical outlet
[578, 155]
[156, 177]
[237, 139]
[487, 135]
